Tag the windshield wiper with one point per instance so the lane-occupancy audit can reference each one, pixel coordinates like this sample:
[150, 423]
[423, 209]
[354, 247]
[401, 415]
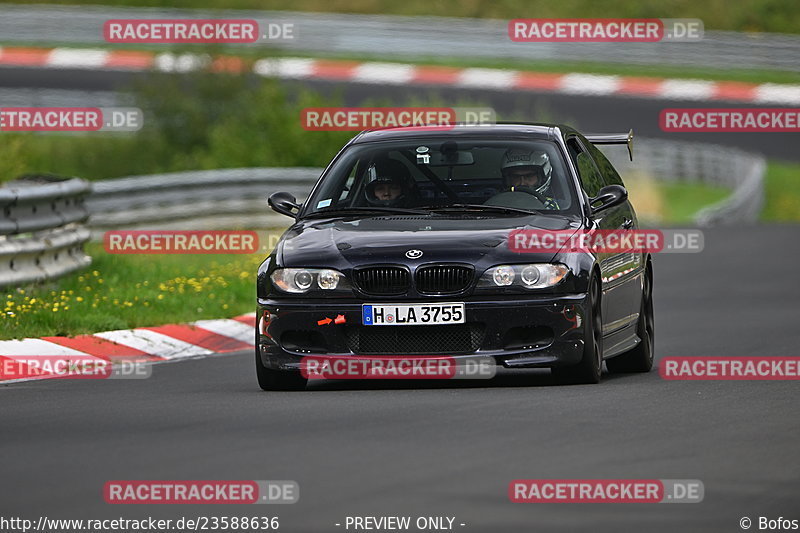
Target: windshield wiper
[482, 207]
[366, 211]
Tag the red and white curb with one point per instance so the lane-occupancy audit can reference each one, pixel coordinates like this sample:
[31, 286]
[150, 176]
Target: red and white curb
[403, 74]
[151, 344]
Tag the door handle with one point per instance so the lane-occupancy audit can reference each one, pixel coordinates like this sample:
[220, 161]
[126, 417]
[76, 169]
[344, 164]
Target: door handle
[628, 223]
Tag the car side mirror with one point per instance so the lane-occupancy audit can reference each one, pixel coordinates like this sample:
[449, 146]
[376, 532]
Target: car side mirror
[284, 203]
[608, 197]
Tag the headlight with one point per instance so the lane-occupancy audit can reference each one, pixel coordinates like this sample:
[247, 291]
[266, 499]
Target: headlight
[530, 275]
[300, 280]
[536, 276]
[328, 279]
[503, 276]
[303, 280]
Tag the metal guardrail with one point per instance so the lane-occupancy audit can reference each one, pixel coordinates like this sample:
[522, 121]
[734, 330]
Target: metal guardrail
[742, 172]
[196, 200]
[746, 202]
[412, 37]
[236, 198]
[41, 231]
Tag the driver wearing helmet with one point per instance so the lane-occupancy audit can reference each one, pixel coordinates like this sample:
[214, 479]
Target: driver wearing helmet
[529, 171]
[388, 184]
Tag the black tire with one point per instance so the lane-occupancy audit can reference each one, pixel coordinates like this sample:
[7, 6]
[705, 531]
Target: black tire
[278, 380]
[640, 358]
[589, 369]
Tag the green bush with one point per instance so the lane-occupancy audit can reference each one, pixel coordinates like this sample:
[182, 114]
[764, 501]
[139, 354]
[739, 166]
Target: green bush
[192, 122]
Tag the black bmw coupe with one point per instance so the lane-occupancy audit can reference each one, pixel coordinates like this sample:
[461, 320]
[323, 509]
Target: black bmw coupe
[403, 249]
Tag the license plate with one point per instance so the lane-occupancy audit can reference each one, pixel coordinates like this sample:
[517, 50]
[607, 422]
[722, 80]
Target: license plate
[412, 314]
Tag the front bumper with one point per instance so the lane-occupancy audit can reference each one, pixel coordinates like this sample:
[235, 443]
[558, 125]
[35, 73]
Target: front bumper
[516, 333]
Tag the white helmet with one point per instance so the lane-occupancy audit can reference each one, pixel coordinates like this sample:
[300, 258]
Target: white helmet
[536, 160]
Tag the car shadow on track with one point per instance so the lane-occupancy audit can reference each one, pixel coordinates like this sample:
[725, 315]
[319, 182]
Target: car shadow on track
[503, 379]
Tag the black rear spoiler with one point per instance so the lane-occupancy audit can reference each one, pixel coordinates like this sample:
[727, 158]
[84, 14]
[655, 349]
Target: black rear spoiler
[613, 138]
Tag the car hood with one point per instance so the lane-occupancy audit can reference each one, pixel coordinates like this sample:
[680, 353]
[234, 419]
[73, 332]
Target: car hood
[344, 243]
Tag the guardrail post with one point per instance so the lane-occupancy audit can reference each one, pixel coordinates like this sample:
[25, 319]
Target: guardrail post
[41, 229]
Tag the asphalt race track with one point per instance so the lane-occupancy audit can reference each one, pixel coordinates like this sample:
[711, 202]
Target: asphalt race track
[449, 448]
[588, 113]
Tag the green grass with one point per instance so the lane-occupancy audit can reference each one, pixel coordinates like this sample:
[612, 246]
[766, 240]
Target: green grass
[782, 193]
[743, 15]
[128, 291]
[681, 200]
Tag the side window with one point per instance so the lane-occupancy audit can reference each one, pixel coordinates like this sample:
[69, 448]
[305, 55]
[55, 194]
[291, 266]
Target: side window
[591, 180]
[610, 174]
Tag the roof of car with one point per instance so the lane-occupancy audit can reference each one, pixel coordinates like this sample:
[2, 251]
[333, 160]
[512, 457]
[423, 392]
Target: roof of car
[541, 130]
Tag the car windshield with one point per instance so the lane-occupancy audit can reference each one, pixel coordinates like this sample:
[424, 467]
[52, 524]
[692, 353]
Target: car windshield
[510, 177]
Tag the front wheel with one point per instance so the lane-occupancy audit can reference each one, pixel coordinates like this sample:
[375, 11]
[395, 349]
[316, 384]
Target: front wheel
[589, 369]
[278, 380]
[640, 358]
